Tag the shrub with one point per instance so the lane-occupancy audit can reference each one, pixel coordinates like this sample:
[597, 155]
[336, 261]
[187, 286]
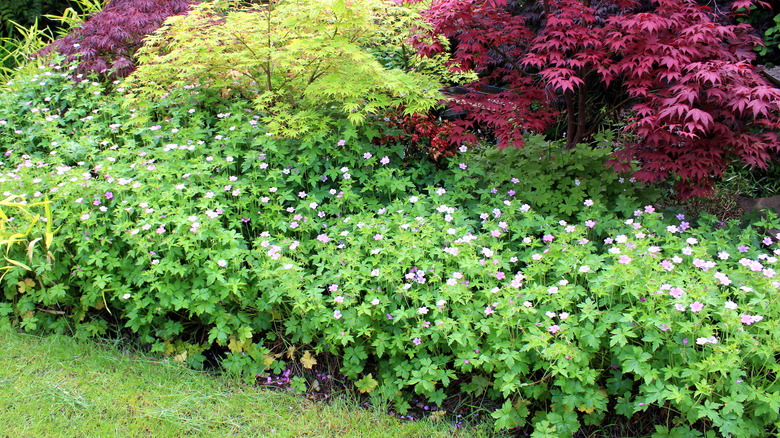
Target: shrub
[106, 43]
[684, 79]
[203, 232]
[291, 59]
[390, 44]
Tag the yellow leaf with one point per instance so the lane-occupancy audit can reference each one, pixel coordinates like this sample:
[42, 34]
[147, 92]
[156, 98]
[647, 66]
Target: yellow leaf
[308, 360]
[291, 352]
[181, 357]
[28, 314]
[437, 416]
[366, 384]
[14, 262]
[31, 248]
[586, 410]
[268, 360]
[235, 345]
[29, 282]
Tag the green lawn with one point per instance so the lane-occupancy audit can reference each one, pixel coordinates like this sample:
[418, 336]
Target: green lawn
[58, 386]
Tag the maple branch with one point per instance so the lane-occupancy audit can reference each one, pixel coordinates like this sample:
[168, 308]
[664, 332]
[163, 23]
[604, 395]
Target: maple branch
[582, 105]
[570, 121]
[269, 85]
[315, 73]
[581, 114]
[506, 58]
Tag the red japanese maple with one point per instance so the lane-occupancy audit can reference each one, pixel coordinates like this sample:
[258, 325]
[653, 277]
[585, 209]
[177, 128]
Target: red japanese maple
[108, 40]
[699, 102]
[421, 132]
[689, 93]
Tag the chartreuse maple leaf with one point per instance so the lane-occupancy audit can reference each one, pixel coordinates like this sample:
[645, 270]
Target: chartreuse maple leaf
[300, 62]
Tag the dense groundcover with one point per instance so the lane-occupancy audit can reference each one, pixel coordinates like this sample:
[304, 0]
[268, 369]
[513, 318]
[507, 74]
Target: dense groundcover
[197, 228]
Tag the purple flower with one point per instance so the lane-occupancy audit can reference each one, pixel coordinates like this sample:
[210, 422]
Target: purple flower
[417, 341]
[624, 259]
[553, 328]
[723, 278]
[500, 275]
[696, 307]
[750, 319]
[742, 248]
[109, 195]
[704, 341]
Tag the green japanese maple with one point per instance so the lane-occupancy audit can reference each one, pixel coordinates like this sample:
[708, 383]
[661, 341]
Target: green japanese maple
[301, 62]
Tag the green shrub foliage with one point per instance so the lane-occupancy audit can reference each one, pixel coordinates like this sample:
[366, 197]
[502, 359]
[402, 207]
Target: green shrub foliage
[301, 62]
[204, 230]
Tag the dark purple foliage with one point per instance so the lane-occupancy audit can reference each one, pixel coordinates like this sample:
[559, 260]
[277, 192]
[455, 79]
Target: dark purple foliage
[107, 42]
[681, 75]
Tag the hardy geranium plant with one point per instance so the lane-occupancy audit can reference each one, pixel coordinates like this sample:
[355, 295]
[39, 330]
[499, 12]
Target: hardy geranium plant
[207, 233]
